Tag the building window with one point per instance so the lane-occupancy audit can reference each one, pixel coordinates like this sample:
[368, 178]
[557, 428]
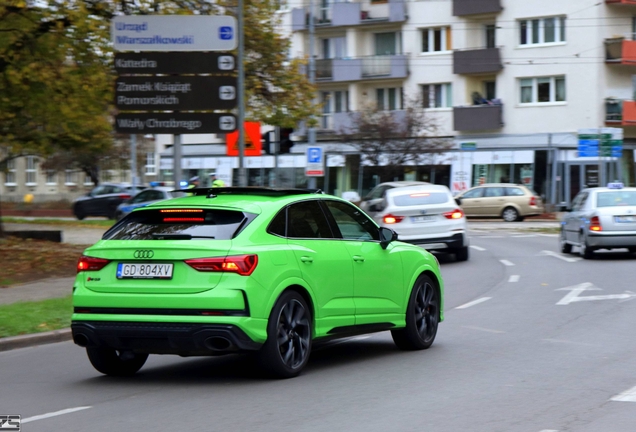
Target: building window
[542, 90]
[10, 175]
[51, 177]
[389, 99]
[386, 43]
[542, 31]
[87, 180]
[436, 39]
[437, 95]
[69, 178]
[151, 168]
[31, 170]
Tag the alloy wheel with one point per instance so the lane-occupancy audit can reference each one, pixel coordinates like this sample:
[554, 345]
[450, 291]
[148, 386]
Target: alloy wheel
[294, 334]
[426, 311]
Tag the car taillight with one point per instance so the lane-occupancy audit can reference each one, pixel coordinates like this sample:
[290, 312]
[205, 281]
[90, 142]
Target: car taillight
[241, 264]
[455, 214]
[595, 224]
[533, 200]
[390, 219]
[86, 263]
[124, 196]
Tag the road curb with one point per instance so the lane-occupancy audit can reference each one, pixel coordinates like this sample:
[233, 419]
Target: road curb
[23, 341]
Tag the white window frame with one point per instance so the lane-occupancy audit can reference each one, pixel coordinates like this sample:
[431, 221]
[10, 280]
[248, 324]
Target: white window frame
[87, 180]
[51, 177]
[31, 171]
[431, 40]
[559, 21]
[399, 103]
[9, 179]
[446, 88]
[69, 177]
[535, 91]
[151, 164]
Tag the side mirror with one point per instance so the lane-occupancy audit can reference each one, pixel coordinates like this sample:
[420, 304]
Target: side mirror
[387, 235]
[458, 201]
[374, 208]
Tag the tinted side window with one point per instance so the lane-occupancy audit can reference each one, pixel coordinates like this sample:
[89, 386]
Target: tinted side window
[143, 196]
[475, 193]
[494, 192]
[307, 220]
[277, 225]
[352, 222]
[512, 191]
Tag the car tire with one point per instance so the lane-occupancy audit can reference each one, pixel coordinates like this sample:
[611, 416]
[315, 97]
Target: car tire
[462, 254]
[422, 317]
[510, 214]
[632, 249]
[565, 247]
[585, 251]
[289, 337]
[116, 363]
[79, 214]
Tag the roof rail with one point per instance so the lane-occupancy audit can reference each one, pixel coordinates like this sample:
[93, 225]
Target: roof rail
[249, 190]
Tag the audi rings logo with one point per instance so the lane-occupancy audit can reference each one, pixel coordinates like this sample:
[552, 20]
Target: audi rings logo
[143, 253]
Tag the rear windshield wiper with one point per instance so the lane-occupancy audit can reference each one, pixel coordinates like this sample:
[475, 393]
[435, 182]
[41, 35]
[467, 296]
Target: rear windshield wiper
[177, 237]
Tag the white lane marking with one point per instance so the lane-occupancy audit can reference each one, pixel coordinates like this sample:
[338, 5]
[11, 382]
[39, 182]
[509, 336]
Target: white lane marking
[514, 278]
[576, 290]
[506, 263]
[549, 430]
[524, 236]
[483, 329]
[561, 257]
[54, 414]
[548, 235]
[473, 303]
[479, 248]
[491, 236]
[626, 396]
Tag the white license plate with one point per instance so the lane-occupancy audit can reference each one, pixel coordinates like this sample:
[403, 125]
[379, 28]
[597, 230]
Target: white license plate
[622, 219]
[427, 218]
[144, 271]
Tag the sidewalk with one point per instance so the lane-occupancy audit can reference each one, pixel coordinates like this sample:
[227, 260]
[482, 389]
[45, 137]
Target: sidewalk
[40, 290]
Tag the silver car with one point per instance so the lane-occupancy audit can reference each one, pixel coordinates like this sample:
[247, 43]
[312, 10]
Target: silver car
[426, 215]
[146, 197]
[600, 218]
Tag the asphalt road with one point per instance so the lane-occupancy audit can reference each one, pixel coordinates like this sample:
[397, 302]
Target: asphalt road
[517, 352]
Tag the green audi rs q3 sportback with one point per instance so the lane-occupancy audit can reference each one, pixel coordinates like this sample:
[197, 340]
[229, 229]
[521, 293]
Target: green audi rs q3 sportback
[230, 270]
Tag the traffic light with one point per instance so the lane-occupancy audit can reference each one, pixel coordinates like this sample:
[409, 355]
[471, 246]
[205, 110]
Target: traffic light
[285, 140]
[267, 142]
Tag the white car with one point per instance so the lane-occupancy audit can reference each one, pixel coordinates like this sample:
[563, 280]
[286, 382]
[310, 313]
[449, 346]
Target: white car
[426, 215]
[600, 218]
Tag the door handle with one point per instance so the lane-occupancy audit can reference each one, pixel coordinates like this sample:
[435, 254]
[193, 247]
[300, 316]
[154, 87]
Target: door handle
[306, 259]
[358, 258]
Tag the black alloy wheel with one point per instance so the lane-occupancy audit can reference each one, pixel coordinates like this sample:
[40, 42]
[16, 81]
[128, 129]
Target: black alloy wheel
[289, 337]
[79, 213]
[584, 250]
[422, 317]
[117, 363]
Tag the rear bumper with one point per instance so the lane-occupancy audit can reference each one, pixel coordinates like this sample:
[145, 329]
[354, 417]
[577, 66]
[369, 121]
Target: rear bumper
[163, 338]
[611, 240]
[454, 241]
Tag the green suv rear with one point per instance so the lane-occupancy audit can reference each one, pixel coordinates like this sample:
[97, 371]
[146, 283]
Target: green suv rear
[249, 269]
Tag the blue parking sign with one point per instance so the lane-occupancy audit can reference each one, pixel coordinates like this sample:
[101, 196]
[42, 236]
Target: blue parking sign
[314, 155]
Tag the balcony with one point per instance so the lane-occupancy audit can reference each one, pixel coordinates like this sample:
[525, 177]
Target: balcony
[477, 117]
[477, 61]
[349, 14]
[622, 2]
[474, 7]
[620, 51]
[355, 69]
[344, 122]
[620, 112]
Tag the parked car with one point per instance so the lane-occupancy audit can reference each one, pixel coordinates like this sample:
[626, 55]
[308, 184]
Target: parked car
[249, 269]
[512, 202]
[376, 195]
[600, 218]
[426, 215]
[145, 197]
[103, 200]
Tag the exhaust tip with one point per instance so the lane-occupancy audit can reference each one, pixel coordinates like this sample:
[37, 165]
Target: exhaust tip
[80, 339]
[218, 343]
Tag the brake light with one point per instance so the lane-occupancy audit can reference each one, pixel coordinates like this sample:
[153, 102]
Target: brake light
[86, 263]
[125, 196]
[241, 264]
[533, 200]
[595, 224]
[183, 219]
[455, 214]
[181, 211]
[390, 219]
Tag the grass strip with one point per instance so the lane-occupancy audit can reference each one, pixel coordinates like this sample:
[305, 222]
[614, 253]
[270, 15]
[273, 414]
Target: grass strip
[35, 317]
[75, 223]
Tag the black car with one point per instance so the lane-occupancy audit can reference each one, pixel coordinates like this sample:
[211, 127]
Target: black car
[103, 200]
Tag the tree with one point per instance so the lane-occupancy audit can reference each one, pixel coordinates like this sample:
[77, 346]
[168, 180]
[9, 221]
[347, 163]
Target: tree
[392, 139]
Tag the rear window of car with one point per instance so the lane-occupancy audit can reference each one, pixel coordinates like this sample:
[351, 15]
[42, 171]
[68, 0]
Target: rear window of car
[421, 198]
[514, 191]
[180, 224]
[616, 198]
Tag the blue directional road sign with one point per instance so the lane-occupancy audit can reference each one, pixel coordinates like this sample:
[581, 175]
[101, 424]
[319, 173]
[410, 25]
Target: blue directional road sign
[588, 147]
[226, 33]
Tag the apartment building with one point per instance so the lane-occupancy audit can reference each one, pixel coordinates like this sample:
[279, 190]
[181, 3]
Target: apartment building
[513, 80]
